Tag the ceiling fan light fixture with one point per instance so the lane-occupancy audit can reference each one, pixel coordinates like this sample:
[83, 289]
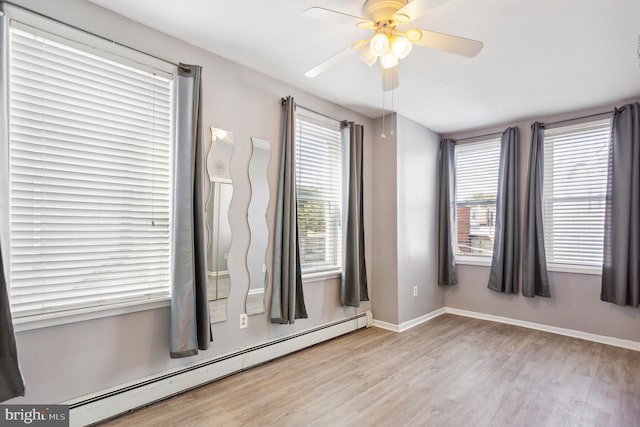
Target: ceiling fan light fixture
[389, 60]
[368, 57]
[401, 46]
[379, 44]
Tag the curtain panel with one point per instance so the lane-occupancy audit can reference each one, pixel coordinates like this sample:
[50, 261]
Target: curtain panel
[11, 382]
[535, 280]
[621, 258]
[287, 298]
[353, 284]
[503, 276]
[190, 324]
[447, 240]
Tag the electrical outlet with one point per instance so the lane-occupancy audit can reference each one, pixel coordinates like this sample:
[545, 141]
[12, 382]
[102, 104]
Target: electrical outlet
[264, 268]
[415, 291]
[244, 321]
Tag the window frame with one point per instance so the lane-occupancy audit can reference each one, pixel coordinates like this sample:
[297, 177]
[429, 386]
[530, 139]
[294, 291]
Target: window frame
[98, 46]
[571, 267]
[477, 260]
[332, 271]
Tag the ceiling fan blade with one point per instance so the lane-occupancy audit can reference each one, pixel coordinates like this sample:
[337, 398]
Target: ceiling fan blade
[323, 14]
[448, 43]
[330, 61]
[389, 78]
[415, 9]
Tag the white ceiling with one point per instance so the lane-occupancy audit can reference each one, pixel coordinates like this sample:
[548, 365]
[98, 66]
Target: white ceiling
[540, 57]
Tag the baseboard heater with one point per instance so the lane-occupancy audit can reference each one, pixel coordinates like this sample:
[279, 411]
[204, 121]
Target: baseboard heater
[118, 400]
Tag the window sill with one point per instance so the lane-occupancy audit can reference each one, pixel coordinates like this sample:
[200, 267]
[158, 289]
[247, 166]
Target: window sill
[61, 318]
[320, 276]
[552, 267]
[473, 260]
[576, 269]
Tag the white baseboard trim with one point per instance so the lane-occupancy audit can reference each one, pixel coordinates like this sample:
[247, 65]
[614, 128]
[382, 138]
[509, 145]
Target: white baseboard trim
[603, 339]
[111, 402]
[385, 325]
[410, 323]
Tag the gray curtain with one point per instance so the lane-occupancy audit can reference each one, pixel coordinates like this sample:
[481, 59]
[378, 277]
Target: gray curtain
[503, 276]
[190, 326]
[535, 280]
[447, 240]
[287, 298]
[353, 285]
[621, 263]
[11, 383]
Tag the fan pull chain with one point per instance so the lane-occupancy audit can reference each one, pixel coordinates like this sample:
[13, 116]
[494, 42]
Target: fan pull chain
[382, 135]
[394, 123]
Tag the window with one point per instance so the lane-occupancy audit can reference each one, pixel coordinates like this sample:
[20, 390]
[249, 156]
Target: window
[477, 166]
[575, 183]
[89, 177]
[319, 191]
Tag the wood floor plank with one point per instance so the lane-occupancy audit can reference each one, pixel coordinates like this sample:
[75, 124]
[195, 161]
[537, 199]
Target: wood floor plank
[451, 371]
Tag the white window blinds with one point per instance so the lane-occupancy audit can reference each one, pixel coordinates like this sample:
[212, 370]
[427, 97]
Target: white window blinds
[477, 166]
[89, 164]
[319, 188]
[575, 183]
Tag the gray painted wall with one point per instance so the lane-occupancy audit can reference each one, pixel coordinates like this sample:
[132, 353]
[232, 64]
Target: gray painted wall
[384, 269]
[68, 361]
[404, 221]
[575, 301]
[417, 218]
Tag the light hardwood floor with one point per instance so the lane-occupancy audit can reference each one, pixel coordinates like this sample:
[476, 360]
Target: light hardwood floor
[450, 371]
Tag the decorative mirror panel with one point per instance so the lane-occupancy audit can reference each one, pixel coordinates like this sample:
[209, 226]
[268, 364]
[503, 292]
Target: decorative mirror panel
[257, 215]
[217, 212]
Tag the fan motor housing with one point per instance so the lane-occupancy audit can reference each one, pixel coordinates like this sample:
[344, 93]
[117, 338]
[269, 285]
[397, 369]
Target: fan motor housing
[381, 10]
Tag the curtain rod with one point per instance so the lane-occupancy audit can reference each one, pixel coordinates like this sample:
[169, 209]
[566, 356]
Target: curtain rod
[282, 100]
[580, 118]
[318, 113]
[182, 67]
[546, 124]
[478, 136]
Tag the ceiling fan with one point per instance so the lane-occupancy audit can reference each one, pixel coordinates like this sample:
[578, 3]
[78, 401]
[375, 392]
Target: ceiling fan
[388, 42]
